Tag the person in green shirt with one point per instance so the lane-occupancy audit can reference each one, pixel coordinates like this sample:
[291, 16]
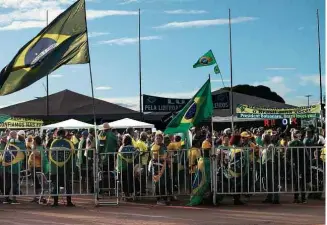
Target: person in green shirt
[107, 148]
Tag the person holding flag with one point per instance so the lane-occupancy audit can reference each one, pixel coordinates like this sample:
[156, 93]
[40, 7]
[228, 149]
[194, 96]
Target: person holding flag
[199, 108]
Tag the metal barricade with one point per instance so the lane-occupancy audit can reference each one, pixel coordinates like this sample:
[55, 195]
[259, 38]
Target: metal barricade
[44, 173]
[268, 170]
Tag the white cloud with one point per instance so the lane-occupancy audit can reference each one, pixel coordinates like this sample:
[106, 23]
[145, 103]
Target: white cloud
[312, 79]
[276, 84]
[182, 11]
[97, 34]
[126, 41]
[56, 75]
[19, 25]
[204, 23]
[23, 14]
[133, 102]
[94, 14]
[103, 88]
[280, 68]
[125, 2]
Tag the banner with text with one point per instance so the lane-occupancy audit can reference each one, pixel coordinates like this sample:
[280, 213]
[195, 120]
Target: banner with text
[246, 111]
[159, 104]
[20, 123]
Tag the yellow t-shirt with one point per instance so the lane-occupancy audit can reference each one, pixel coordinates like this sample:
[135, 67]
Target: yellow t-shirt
[141, 145]
[134, 143]
[323, 154]
[206, 144]
[193, 155]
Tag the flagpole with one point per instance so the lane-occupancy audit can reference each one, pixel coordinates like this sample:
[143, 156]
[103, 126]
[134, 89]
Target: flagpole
[140, 66]
[95, 161]
[231, 71]
[47, 77]
[319, 54]
[212, 130]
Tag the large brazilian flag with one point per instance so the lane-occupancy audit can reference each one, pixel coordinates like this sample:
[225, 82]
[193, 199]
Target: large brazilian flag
[63, 41]
[199, 108]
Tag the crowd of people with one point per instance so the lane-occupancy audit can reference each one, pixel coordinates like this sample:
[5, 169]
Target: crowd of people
[259, 149]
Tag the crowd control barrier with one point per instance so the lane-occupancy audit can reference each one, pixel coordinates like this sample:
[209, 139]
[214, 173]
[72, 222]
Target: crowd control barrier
[129, 176]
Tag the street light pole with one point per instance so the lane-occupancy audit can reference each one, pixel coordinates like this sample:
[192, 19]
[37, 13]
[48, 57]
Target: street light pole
[308, 96]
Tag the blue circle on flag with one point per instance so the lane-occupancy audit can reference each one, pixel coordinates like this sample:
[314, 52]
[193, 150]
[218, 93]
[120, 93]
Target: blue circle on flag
[204, 60]
[191, 111]
[39, 50]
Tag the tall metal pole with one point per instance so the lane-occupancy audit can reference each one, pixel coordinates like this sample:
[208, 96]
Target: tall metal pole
[320, 82]
[96, 152]
[231, 72]
[47, 77]
[308, 96]
[140, 66]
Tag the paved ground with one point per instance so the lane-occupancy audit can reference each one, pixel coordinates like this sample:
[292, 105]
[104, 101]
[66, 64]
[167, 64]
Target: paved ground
[148, 214]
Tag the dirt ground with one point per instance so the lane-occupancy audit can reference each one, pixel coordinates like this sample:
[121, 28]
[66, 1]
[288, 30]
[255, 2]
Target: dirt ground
[85, 213]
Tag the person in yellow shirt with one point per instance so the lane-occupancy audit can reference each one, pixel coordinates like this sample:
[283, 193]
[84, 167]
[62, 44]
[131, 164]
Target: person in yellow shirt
[160, 169]
[142, 146]
[193, 155]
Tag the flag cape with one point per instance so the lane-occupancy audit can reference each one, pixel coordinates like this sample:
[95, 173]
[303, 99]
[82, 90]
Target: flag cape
[63, 41]
[12, 155]
[207, 59]
[201, 183]
[199, 108]
[61, 152]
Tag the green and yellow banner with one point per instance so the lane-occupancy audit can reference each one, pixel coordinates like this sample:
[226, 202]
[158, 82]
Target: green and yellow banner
[20, 123]
[246, 111]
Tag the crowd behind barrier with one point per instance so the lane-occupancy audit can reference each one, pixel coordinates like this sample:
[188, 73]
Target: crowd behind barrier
[203, 173]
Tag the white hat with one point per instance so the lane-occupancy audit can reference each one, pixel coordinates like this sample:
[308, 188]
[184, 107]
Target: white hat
[21, 133]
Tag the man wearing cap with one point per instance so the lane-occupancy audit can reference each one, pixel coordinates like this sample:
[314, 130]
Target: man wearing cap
[108, 147]
[61, 158]
[296, 154]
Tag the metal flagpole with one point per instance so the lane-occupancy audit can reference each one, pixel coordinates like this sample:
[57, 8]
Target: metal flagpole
[231, 72]
[96, 154]
[140, 66]
[319, 54]
[47, 77]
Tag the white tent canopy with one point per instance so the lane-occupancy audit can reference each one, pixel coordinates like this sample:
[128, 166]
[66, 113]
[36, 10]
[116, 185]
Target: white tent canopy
[68, 124]
[125, 123]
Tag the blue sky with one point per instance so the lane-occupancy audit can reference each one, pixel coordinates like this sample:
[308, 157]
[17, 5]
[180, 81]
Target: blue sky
[274, 44]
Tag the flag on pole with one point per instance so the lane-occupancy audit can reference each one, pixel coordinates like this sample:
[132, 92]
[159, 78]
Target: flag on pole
[199, 108]
[63, 41]
[216, 69]
[207, 59]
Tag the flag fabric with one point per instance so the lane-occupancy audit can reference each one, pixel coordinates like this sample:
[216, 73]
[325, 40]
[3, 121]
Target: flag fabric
[207, 59]
[216, 69]
[199, 108]
[63, 41]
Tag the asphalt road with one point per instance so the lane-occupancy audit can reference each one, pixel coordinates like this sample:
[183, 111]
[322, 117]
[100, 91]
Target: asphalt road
[148, 214]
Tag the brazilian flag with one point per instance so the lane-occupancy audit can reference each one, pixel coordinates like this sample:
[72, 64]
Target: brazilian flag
[63, 41]
[199, 108]
[207, 59]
